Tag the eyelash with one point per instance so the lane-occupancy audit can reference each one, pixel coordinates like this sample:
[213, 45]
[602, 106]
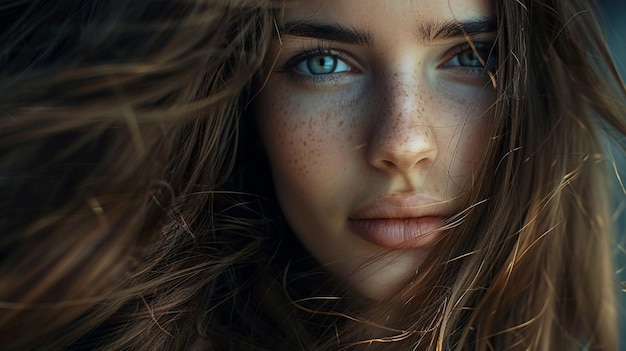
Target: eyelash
[292, 63]
[483, 49]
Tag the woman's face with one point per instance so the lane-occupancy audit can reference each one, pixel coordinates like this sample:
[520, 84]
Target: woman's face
[374, 120]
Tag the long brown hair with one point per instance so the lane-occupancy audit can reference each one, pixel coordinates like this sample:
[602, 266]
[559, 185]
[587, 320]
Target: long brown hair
[136, 215]
[110, 112]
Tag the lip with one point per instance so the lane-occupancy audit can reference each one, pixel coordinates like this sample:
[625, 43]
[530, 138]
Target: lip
[399, 221]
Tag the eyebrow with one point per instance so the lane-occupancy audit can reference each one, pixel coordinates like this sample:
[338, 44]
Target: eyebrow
[327, 31]
[429, 31]
[433, 31]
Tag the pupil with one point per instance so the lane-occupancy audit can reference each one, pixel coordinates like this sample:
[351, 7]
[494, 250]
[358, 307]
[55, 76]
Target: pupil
[469, 58]
[322, 65]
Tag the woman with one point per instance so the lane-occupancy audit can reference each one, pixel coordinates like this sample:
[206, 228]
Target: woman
[405, 175]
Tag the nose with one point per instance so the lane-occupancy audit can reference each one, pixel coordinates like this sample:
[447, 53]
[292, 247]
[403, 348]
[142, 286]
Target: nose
[402, 137]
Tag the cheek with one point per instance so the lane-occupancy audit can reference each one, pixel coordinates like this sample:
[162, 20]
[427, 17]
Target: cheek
[302, 137]
[476, 132]
[464, 124]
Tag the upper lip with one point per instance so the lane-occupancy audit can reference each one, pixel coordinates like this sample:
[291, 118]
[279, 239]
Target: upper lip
[401, 206]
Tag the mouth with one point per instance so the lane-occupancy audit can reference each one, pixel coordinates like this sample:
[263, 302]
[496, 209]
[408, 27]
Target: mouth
[398, 233]
[399, 222]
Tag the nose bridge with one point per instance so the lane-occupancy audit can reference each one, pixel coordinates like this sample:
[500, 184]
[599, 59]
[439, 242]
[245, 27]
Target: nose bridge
[403, 136]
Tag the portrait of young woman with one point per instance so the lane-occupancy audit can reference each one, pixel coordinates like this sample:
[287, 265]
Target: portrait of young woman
[309, 175]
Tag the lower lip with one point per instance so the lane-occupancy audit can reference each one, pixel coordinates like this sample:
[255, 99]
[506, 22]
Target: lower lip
[398, 233]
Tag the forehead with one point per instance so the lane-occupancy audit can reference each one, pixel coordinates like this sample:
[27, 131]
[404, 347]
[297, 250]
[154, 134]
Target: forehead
[388, 13]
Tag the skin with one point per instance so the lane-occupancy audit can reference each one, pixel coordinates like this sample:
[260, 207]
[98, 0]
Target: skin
[396, 127]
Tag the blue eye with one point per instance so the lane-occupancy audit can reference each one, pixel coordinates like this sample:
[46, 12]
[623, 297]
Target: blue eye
[466, 56]
[320, 64]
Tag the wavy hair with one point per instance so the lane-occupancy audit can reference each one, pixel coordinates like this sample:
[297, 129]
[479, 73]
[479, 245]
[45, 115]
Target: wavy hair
[116, 118]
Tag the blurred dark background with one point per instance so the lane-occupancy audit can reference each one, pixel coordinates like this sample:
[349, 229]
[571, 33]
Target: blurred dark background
[614, 12]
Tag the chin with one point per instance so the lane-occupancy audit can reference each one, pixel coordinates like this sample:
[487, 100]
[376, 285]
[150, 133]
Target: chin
[381, 277]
